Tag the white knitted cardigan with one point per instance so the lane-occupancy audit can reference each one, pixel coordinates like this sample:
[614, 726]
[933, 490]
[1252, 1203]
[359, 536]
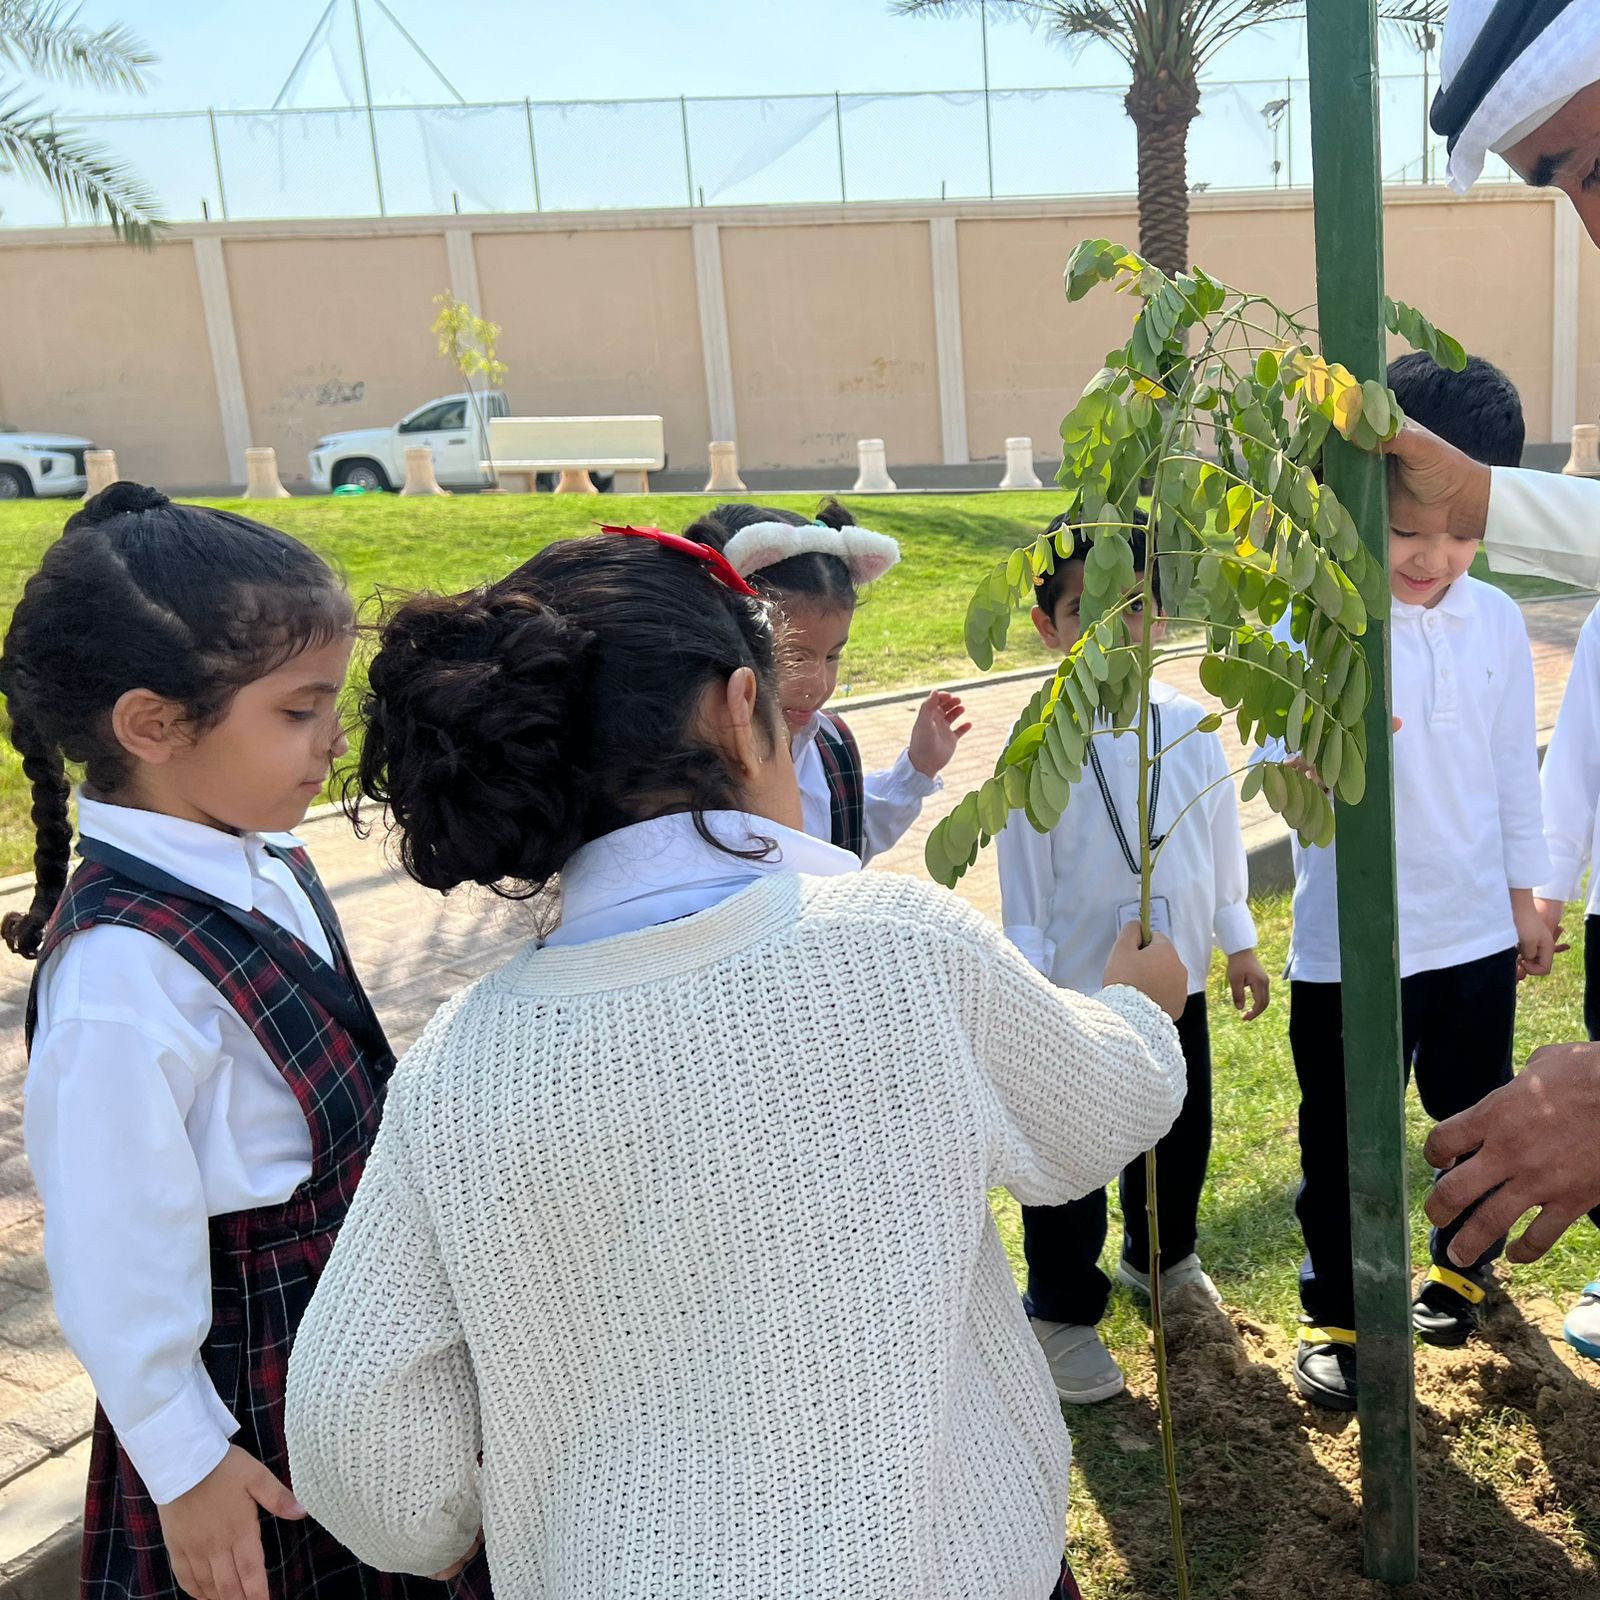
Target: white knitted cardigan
[686, 1231]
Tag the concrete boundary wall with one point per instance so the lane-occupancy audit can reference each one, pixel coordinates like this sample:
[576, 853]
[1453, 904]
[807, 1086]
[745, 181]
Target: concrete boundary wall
[794, 330]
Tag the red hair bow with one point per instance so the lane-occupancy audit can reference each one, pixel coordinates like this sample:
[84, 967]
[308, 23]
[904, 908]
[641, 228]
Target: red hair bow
[714, 561]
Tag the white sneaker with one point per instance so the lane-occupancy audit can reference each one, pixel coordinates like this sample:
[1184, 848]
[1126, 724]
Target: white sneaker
[1081, 1367]
[1185, 1274]
[1583, 1323]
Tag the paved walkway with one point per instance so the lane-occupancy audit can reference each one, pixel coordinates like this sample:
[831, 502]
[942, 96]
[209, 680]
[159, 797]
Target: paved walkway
[414, 949]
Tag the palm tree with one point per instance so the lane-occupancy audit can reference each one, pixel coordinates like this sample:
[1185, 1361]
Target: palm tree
[1165, 45]
[45, 38]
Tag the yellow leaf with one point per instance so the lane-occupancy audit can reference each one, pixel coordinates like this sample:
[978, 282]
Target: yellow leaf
[1148, 386]
[1347, 409]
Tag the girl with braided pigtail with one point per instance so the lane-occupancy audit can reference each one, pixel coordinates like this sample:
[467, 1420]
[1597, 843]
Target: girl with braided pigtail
[205, 1073]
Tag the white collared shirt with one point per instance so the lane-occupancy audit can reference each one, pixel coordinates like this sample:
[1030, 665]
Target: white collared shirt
[1569, 781]
[1060, 891]
[893, 797]
[151, 1108]
[658, 871]
[1466, 790]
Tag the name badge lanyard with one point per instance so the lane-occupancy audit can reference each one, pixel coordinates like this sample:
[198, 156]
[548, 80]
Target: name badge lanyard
[1155, 838]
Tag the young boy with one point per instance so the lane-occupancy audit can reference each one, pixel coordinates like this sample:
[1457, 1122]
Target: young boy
[1064, 896]
[1469, 846]
[1570, 784]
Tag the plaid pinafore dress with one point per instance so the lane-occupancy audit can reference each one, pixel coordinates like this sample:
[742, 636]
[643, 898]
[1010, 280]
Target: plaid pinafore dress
[318, 1028]
[847, 784]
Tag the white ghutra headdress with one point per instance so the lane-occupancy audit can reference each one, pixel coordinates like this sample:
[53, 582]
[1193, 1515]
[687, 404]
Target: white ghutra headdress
[866, 555]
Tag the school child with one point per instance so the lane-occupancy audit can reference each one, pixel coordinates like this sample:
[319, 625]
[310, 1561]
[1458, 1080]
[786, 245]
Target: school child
[205, 1072]
[1469, 847]
[641, 1197]
[1064, 898]
[814, 572]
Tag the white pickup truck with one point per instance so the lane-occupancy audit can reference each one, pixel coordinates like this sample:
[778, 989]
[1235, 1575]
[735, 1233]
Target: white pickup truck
[375, 458]
[41, 464]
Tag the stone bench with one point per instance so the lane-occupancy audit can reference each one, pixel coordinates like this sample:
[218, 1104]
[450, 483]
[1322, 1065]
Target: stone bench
[629, 447]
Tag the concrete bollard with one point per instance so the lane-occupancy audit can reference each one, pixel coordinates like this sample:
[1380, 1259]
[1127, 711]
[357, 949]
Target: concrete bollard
[101, 468]
[725, 477]
[873, 477]
[261, 474]
[420, 476]
[575, 480]
[1019, 466]
[629, 480]
[1584, 461]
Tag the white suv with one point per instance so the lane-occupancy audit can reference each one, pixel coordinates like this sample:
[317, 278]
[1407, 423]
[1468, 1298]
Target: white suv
[41, 464]
[375, 458]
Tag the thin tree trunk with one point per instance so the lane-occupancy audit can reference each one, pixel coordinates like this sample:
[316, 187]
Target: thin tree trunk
[1162, 109]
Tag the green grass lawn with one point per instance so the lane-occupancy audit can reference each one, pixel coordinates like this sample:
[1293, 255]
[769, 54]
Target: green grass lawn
[908, 631]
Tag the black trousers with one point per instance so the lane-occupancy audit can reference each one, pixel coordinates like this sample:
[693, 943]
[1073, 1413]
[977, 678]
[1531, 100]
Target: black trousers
[1458, 1024]
[1063, 1243]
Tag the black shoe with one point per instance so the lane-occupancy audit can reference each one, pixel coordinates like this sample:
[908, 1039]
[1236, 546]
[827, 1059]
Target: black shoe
[1325, 1369]
[1448, 1308]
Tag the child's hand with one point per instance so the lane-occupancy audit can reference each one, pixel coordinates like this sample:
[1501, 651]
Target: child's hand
[462, 1565]
[1536, 944]
[213, 1533]
[935, 736]
[1155, 970]
[1247, 977]
[1553, 911]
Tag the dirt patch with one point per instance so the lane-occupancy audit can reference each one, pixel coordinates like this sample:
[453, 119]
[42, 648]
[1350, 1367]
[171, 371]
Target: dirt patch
[1508, 1471]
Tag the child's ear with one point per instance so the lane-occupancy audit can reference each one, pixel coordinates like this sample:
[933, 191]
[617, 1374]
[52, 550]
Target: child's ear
[1045, 625]
[147, 726]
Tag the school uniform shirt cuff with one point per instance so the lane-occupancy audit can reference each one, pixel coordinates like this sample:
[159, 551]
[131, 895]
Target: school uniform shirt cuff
[904, 782]
[183, 1442]
[1235, 929]
[1565, 880]
[1039, 951]
[1527, 864]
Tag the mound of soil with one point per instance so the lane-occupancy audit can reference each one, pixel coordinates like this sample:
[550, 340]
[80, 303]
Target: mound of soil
[1508, 1463]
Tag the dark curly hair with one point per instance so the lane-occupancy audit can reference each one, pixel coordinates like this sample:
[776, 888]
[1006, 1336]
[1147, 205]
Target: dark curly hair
[138, 593]
[813, 579]
[510, 725]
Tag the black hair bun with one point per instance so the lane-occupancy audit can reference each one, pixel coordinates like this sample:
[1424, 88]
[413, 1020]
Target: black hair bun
[122, 497]
[833, 515]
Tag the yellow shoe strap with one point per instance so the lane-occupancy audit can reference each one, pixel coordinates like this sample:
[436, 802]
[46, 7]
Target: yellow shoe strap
[1327, 1336]
[1473, 1293]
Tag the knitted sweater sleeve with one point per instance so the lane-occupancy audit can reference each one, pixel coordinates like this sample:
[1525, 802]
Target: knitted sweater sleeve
[1080, 1084]
[382, 1407]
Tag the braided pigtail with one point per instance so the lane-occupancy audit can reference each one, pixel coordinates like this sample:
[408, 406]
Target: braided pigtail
[42, 765]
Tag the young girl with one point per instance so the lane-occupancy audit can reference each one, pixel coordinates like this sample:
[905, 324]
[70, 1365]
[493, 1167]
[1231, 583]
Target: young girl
[640, 1198]
[205, 1071]
[814, 572]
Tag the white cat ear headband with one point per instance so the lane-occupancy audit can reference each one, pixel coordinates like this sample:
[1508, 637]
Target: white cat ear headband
[866, 555]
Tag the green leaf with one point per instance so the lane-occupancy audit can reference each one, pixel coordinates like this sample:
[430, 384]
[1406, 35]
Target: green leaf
[1253, 780]
[1267, 368]
[1025, 745]
[993, 810]
[1352, 783]
[1214, 676]
[1275, 785]
[1210, 722]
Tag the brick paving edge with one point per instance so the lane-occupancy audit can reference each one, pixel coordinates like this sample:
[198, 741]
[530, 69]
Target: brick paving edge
[49, 1571]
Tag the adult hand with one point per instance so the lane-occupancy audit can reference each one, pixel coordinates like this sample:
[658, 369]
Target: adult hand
[1435, 488]
[938, 730]
[213, 1533]
[1533, 1145]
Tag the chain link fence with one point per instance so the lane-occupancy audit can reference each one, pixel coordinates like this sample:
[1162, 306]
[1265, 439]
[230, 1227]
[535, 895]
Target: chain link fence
[778, 150]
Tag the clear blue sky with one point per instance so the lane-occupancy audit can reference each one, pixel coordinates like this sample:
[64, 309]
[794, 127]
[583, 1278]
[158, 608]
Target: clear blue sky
[237, 53]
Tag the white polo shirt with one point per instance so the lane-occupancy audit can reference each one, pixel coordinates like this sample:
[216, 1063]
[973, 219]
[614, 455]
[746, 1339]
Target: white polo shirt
[1468, 827]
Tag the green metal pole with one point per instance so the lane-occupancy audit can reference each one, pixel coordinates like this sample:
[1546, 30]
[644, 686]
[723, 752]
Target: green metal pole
[1342, 36]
